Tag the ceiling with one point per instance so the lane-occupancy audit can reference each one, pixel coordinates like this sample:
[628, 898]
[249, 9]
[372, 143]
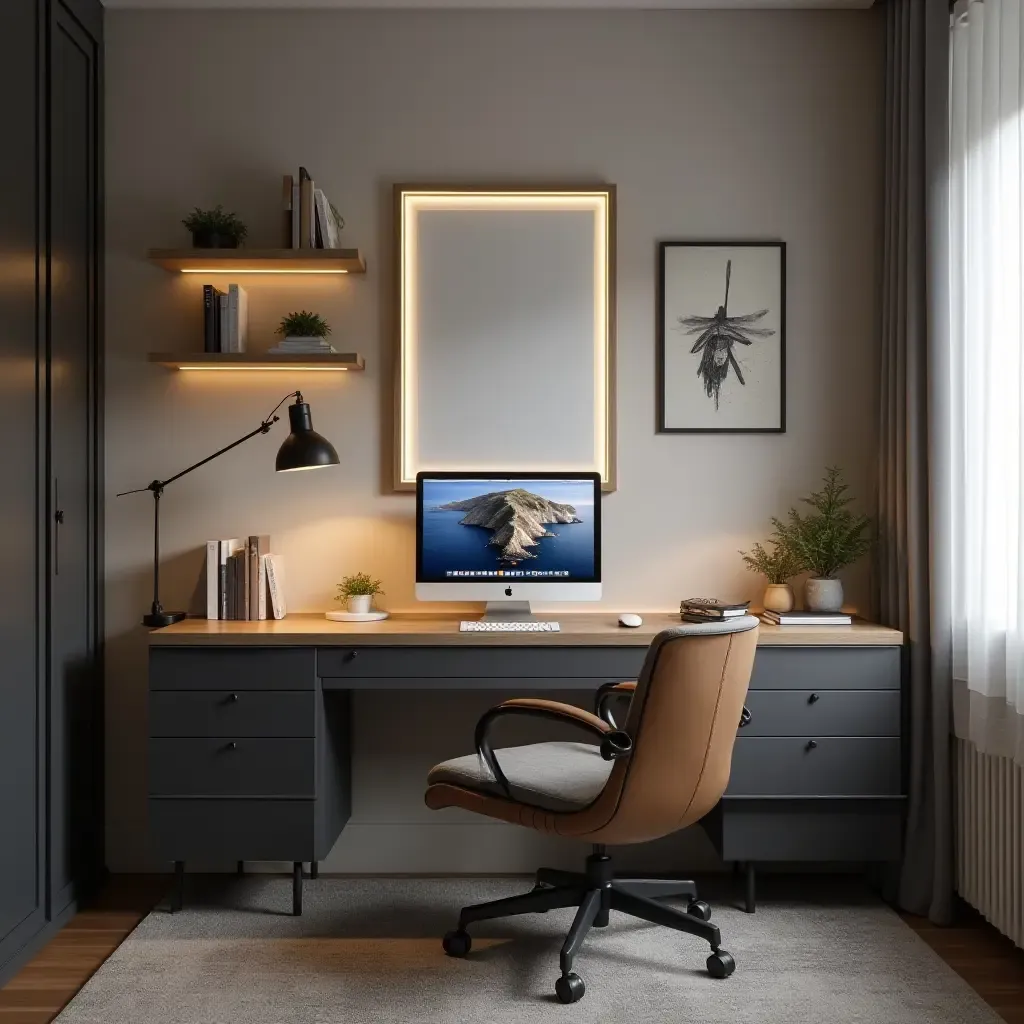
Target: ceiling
[637, 5]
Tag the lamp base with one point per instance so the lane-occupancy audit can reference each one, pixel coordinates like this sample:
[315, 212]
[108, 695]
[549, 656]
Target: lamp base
[160, 619]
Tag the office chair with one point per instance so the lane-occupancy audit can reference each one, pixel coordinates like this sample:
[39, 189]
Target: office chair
[663, 770]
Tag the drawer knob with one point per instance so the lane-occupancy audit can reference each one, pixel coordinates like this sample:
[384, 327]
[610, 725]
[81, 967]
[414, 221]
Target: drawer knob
[814, 698]
[811, 745]
[232, 698]
[232, 745]
[351, 656]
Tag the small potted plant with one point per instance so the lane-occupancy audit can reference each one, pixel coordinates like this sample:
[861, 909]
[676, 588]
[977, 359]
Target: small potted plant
[777, 566]
[826, 540]
[358, 592]
[215, 229]
[304, 326]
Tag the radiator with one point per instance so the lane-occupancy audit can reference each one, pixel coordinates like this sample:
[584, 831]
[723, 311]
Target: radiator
[990, 837]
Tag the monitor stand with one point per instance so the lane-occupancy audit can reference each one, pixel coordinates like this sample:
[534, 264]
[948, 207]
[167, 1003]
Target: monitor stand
[508, 611]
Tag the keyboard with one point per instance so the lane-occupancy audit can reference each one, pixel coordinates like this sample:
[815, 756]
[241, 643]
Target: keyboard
[508, 627]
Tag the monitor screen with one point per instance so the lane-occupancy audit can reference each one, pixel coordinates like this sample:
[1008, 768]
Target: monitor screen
[538, 528]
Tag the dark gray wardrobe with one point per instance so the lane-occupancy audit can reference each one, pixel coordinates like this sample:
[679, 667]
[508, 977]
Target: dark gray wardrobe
[51, 687]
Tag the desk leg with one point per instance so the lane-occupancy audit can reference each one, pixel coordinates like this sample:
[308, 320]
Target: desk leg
[297, 888]
[751, 902]
[241, 868]
[314, 869]
[178, 893]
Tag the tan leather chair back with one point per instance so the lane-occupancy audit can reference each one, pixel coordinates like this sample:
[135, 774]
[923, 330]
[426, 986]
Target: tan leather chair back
[683, 720]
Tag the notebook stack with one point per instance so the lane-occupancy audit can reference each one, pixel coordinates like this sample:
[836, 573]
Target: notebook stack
[710, 609]
[303, 347]
[807, 618]
[244, 580]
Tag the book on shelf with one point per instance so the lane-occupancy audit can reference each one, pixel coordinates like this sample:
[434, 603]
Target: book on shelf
[238, 318]
[710, 608]
[328, 228]
[307, 218]
[223, 331]
[211, 320]
[274, 569]
[287, 187]
[807, 618]
[304, 348]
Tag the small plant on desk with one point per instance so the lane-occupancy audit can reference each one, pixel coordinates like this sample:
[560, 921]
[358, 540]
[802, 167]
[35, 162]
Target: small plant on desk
[777, 566]
[358, 591]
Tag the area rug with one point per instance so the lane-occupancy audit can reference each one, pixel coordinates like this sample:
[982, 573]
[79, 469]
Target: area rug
[369, 952]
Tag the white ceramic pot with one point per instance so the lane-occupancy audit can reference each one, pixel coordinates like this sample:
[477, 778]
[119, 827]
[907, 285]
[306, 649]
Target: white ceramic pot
[823, 595]
[778, 597]
[359, 604]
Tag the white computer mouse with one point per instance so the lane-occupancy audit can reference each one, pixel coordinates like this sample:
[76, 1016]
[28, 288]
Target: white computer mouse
[630, 619]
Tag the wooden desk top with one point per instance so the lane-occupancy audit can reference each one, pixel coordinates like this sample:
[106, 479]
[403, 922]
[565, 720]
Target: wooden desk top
[588, 629]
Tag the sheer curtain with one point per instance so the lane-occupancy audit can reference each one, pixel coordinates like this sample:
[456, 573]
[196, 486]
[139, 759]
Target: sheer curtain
[986, 375]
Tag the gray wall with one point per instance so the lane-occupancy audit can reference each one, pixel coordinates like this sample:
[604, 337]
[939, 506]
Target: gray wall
[713, 125]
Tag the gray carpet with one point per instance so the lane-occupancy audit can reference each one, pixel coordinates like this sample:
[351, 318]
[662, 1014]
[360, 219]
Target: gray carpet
[369, 951]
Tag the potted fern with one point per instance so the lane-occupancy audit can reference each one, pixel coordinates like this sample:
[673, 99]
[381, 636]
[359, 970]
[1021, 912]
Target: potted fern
[215, 229]
[777, 566]
[826, 540]
[358, 592]
[304, 326]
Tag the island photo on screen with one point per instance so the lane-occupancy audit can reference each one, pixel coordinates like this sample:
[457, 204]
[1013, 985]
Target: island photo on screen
[485, 529]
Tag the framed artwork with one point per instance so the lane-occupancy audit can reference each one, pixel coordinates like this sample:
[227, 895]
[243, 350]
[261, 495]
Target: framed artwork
[722, 337]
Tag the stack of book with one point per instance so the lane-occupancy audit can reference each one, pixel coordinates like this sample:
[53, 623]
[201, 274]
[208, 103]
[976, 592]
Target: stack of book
[710, 609]
[310, 219]
[225, 319]
[303, 346]
[807, 618]
[244, 580]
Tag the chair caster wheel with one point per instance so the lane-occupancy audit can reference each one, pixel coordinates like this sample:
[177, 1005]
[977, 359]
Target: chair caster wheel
[570, 988]
[698, 908]
[721, 964]
[457, 943]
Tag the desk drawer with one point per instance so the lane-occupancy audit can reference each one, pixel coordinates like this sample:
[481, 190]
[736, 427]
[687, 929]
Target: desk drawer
[247, 668]
[251, 713]
[480, 662]
[833, 766]
[823, 713]
[230, 767]
[826, 668]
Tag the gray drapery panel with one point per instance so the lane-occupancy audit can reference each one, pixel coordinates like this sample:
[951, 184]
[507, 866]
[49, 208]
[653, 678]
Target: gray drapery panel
[913, 481]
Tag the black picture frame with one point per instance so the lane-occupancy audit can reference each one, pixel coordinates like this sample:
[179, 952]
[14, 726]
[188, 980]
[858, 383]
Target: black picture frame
[661, 425]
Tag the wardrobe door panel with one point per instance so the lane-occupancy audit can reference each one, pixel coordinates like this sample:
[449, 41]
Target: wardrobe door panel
[20, 731]
[74, 725]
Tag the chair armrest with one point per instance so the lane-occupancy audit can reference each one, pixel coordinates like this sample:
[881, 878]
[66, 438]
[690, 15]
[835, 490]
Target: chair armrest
[606, 694]
[614, 743]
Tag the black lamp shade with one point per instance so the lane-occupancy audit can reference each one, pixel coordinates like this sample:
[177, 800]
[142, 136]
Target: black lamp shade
[304, 448]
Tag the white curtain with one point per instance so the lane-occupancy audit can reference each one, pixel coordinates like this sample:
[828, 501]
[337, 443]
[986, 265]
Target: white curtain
[986, 378]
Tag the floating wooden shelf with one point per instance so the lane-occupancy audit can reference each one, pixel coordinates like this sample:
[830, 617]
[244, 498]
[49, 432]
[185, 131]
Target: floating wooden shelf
[251, 361]
[259, 261]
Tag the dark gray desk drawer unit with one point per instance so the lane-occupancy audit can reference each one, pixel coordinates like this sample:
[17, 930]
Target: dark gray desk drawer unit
[247, 761]
[818, 773]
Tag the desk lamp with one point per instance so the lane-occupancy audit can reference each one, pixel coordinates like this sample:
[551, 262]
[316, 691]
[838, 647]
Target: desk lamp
[303, 448]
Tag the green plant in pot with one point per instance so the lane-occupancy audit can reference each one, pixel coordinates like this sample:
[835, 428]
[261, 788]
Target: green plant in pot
[358, 592]
[777, 565]
[826, 540]
[215, 229]
[304, 326]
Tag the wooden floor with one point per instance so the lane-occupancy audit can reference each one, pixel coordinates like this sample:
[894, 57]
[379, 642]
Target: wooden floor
[987, 961]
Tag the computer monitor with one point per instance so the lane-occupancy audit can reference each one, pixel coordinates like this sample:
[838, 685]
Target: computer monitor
[508, 538]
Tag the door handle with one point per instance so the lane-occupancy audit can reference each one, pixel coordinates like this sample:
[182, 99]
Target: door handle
[811, 745]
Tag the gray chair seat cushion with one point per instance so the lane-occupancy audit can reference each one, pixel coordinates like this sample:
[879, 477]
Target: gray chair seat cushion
[558, 776]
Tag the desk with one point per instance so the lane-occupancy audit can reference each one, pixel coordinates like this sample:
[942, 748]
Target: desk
[250, 725]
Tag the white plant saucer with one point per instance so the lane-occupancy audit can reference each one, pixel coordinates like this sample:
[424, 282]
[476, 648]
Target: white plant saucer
[356, 616]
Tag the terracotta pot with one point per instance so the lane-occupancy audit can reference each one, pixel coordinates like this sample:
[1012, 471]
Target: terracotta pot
[359, 604]
[824, 595]
[778, 597]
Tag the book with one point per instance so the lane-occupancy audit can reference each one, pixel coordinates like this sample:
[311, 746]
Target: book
[295, 215]
[303, 349]
[256, 547]
[710, 614]
[210, 318]
[807, 618]
[225, 548]
[223, 331]
[213, 579]
[307, 220]
[713, 604]
[275, 585]
[287, 185]
[327, 225]
[238, 318]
